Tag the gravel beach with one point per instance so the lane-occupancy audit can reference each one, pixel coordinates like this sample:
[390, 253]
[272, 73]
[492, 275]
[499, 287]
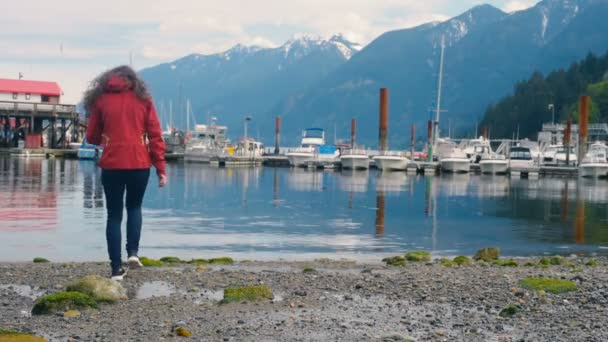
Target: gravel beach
[331, 301]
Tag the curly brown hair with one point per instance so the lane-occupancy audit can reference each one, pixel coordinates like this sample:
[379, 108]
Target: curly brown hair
[98, 85]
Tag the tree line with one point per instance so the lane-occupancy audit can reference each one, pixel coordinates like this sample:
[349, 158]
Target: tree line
[540, 99]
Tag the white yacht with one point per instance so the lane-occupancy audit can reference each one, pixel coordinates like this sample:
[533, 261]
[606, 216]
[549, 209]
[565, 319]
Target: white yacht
[594, 164]
[312, 148]
[246, 152]
[556, 155]
[355, 159]
[477, 149]
[520, 157]
[207, 142]
[494, 164]
[392, 161]
[452, 158]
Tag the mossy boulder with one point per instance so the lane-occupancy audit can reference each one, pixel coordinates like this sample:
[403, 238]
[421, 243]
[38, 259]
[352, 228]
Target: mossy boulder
[591, 262]
[309, 270]
[63, 301]
[147, 262]
[557, 260]
[506, 263]
[462, 260]
[99, 288]
[398, 260]
[247, 293]
[221, 261]
[15, 336]
[171, 260]
[181, 331]
[487, 254]
[509, 311]
[418, 256]
[446, 262]
[39, 260]
[198, 261]
[550, 285]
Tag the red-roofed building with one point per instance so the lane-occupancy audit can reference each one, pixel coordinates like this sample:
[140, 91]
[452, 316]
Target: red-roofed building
[29, 91]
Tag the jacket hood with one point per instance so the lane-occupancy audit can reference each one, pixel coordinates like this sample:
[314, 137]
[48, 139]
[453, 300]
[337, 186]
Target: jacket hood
[118, 84]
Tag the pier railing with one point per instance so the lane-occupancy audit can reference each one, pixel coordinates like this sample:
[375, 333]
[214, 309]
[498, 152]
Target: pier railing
[26, 109]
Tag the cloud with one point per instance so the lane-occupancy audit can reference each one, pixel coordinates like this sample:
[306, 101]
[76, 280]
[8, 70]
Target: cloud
[518, 5]
[98, 35]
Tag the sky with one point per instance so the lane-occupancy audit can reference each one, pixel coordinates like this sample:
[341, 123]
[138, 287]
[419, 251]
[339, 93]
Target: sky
[71, 41]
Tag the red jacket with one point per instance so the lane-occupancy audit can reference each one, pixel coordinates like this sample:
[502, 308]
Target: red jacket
[121, 121]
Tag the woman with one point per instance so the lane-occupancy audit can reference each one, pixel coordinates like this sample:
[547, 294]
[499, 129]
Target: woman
[122, 118]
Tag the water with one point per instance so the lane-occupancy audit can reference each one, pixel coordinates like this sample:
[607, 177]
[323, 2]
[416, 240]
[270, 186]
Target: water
[55, 209]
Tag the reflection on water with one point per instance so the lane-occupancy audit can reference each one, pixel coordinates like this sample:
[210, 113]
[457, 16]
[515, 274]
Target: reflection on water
[55, 208]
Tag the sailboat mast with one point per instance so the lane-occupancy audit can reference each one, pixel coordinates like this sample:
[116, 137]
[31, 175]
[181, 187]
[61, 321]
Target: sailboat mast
[439, 86]
[188, 115]
[171, 114]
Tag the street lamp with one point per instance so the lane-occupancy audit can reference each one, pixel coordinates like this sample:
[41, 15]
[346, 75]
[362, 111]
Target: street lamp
[552, 109]
[247, 119]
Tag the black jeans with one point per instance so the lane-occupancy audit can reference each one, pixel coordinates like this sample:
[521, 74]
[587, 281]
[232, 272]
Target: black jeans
[115, 182]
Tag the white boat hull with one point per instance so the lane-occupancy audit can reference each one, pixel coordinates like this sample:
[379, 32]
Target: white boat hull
[299, 159]
[593, 170]
[355, 162]
[455, 165]
[391, 163]
[197, 158]
[493, 166]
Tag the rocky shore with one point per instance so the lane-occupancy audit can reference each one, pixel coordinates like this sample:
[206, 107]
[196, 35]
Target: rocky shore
[321, 300]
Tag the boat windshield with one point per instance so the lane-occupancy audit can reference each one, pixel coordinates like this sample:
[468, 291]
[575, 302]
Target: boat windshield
[313, 133]
[521, 154]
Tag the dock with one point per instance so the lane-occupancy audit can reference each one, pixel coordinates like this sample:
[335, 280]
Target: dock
[39, 153]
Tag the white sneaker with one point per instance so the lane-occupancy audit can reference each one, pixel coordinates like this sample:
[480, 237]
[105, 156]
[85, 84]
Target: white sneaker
[118, 275]
[134, 262]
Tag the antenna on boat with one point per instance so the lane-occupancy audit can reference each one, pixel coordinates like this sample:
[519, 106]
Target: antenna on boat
[188, 115]
[170, 114]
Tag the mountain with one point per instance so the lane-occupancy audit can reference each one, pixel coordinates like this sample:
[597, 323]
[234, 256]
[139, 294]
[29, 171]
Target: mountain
[244, 80]
[528, 105]
[487, 51]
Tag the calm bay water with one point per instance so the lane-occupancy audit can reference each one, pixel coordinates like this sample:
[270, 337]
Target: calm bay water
[55, 209]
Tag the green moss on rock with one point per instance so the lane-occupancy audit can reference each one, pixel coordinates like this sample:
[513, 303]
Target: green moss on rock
[171, 260]
[198, 261]
[247, 293]
[15, 336]
[99, 288]
[544, 261]
[487, 254]
[39, 260]
[591, 262]
[147, 262]
[551, 285]
[309, 270]
[221, 261]
[506, 263]
[418, 256]
[446, 262]
[398, 260]
[509, 311]
[557, 260]
[63, 301]
[462, 260]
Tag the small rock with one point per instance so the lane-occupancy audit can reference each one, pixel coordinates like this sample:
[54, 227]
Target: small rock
[301, 293]
[181, 331]
[441, 332]
[240, 321]
[348, 297]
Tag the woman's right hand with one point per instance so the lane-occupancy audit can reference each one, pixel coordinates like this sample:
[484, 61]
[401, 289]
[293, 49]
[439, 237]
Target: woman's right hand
[162, 180]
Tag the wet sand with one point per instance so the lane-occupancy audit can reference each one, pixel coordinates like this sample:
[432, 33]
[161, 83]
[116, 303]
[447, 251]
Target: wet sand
[342, 301]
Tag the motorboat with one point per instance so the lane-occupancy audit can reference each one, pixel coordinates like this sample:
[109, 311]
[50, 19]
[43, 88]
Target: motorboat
[594, 164]
[493, 164]
[246, 152]
[562, 159]
[206, 142]
[313, 148]
[391, 161]
[477, 149]
[556, 155]
[452, 158]
[520, 157]
[355, 159]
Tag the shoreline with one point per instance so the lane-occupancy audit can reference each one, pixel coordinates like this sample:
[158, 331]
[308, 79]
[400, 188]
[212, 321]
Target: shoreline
[335, 300]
